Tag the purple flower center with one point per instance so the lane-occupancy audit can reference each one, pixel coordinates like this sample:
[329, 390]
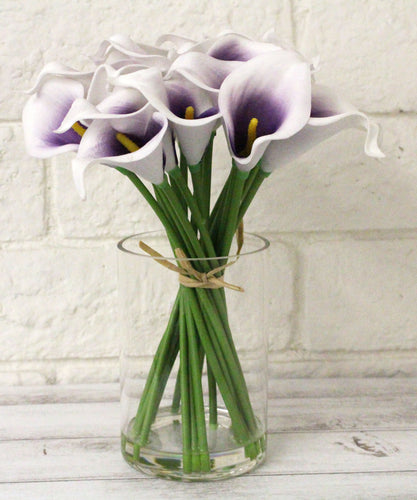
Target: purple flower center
[270, 116]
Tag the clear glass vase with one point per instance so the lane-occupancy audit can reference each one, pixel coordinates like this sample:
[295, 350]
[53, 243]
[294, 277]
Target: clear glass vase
[193, 363]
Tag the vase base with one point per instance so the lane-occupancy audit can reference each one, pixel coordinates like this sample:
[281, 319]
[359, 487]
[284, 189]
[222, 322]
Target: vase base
[162, 455]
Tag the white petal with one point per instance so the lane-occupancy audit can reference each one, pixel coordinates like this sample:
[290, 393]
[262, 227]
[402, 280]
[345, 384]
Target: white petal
[194, 139]
[79, 167]
[316, 131]
[335, 113]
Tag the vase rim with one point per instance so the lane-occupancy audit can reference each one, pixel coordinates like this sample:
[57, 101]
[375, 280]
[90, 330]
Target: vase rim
[263, 244]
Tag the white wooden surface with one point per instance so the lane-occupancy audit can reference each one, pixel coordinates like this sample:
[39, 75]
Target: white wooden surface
[329, 439]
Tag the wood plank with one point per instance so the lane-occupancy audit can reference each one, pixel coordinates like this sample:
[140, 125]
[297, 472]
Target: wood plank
[341, 387]
[338, 413]
[300, 414]
[42, 394]
[45, 421]
[367, 486]
[288, 453]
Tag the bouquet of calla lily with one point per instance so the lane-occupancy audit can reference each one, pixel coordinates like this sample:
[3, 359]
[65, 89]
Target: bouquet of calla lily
[152, 113]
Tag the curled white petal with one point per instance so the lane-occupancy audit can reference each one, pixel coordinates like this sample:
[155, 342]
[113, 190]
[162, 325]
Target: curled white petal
[56, 69]
[331, 115]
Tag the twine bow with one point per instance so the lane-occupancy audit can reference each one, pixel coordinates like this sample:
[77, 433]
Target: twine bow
[190, 277]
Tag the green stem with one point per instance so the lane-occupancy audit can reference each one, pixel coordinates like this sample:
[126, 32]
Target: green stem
[218, 210]
[184, 173]
[159, 212]
[249, 195]
[195, 211]
[185, 394]
[197, 390]
[231, 211]
[192, 245]
[220, 369]
[206, 176]
[212, 396]
[176, 398]
[167, 345]
[238, 382]
[198, 188]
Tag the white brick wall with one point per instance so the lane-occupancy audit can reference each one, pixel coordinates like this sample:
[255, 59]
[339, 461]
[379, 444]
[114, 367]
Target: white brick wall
[343, 290]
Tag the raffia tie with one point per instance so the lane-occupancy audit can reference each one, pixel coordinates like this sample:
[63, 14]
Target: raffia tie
[190, 277]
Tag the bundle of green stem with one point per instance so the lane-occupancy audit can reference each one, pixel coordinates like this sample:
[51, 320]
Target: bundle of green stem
[198, 330]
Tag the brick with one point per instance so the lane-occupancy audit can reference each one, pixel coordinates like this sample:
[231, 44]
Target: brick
[360, 295]
[22, 188]
[58, 303]
[368, 50]
[335, 187]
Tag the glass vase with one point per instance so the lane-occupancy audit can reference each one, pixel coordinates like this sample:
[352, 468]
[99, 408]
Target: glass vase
[193, 361]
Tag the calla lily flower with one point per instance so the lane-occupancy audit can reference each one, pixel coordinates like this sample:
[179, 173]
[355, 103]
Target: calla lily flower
[44, 112]
[122, 104]
[133, 142]
[192, 112]
[330, 114]
[203, 70]
[122, 48]
[266, 99]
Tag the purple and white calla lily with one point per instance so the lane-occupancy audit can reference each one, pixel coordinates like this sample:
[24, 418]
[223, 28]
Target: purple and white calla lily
[191, 111]
[330, 114]
[134, 142]
[43, 114]
[267, 99]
